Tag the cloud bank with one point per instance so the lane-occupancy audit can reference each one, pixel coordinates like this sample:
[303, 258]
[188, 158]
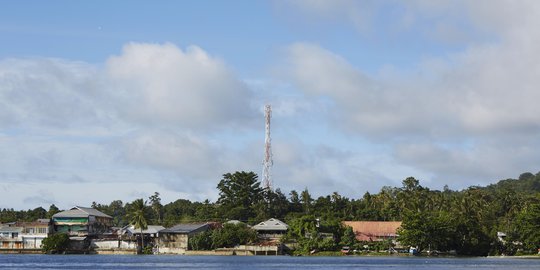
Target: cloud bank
[156, 117]
[148, 115]
[465, 118]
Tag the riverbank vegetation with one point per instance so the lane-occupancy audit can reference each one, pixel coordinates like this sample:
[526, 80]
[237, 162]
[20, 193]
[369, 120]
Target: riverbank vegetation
[464, 221]
[55, 244]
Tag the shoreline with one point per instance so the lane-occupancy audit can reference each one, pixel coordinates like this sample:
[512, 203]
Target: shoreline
[221, 253]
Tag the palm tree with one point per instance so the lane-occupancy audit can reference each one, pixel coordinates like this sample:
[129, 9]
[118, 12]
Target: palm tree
[137, 217]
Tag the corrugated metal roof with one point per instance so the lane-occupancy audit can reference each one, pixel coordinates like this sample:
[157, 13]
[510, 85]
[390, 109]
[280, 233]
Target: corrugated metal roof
[31, 224]
[92, 211]
[10, 229]
[149, 230]
[79, 211]
[272, 224]
[373, 230]
[234, 221]
[185, 228]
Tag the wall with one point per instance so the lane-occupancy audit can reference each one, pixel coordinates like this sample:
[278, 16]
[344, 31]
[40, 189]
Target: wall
[173, 240]
[33, 241]
[112, 244]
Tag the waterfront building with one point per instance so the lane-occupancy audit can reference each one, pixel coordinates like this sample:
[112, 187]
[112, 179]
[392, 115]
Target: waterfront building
[175, 240]
[82, 221]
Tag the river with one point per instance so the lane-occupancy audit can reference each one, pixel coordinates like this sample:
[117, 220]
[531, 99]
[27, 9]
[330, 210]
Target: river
[120, 262]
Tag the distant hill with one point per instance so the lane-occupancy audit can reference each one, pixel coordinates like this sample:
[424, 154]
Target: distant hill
[526, 183]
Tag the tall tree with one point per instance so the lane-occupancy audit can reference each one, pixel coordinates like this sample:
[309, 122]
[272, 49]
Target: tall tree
[528, 226]
[117, 211]
[273, 205]
[296, 204]
[307, 200]
[426, 230]
[238, 194]
[137, 217]
[52, 210]
[155, 204]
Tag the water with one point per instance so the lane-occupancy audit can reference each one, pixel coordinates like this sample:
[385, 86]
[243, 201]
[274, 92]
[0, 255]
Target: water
[120, 262]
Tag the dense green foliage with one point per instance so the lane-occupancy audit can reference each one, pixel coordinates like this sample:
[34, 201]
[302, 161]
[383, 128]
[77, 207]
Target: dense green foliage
[466, 221]
[230, 235]
[55, 244]
[238, 192]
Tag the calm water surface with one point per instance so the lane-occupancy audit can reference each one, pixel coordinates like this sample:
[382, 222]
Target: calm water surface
[120, 262]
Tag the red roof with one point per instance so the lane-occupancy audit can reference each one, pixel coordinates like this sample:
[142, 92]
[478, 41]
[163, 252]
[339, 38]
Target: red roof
[373, 230]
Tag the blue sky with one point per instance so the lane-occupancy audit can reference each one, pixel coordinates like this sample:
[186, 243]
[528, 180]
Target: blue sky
[105, 100]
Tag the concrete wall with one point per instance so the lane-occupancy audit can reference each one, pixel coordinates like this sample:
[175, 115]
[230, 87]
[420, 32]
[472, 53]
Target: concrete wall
[211, 252]
[33, 242]
[115, 251]
[112, 244]
[173, 241]
[166, 250]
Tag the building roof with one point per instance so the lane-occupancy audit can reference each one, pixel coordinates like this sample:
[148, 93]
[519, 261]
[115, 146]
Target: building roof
[31, 224]
[373, 230]
[11, 229]
[149, 230]
[272, 224]
[79, 211]
[186, 228]
[234, 221]
[42, 222]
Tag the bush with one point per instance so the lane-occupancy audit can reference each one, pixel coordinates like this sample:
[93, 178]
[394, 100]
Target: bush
[201, 241]
[232, 235]
[55, 244]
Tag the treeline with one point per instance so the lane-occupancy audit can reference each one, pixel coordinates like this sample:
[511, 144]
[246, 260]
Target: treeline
[466, 221]
[10, 215]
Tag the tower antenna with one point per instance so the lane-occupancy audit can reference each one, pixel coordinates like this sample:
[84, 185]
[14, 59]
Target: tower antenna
[267, 162]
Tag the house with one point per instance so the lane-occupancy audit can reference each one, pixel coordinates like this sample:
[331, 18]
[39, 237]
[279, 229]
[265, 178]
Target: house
[10, 237]
[174, 240]
[271, 229]
[151, 230]
[82, 221]
[34, 232]
[374, 230]
[150, 233]
[24, 235]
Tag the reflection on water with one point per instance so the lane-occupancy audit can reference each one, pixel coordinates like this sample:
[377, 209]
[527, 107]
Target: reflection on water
[119, 262]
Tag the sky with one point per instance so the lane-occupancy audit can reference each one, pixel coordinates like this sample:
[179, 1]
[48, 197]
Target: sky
[116, 100]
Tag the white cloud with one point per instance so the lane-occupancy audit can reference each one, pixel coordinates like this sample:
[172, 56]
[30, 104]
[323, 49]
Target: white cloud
[363, 103]
[469, 109]
[163, 85]
[191, 157]
[47, 92]
[152, 114]
[325, 168]
[157, 117]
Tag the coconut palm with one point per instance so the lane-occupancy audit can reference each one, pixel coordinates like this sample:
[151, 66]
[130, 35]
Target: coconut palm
[137, 217]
